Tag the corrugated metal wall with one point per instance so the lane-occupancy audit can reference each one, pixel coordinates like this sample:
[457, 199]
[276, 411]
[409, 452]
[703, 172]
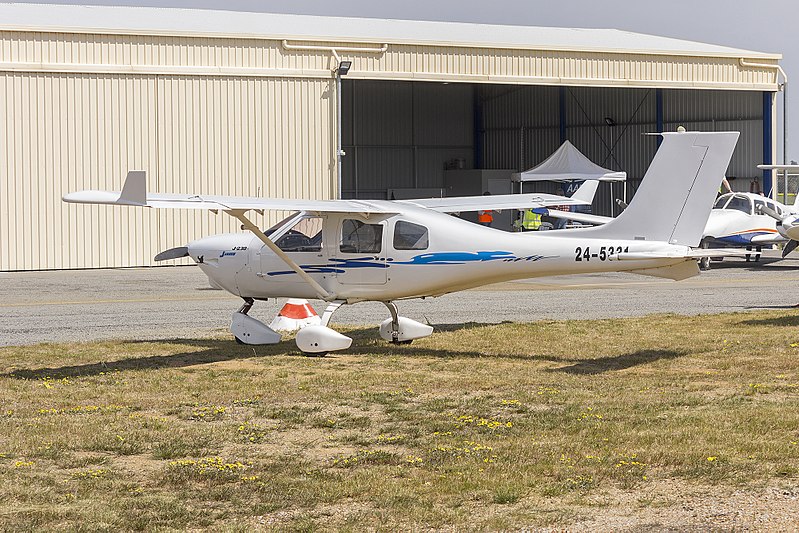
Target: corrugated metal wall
[722, 111]
[402, 134]
[522, 128]
[209, 135]
[406, 61]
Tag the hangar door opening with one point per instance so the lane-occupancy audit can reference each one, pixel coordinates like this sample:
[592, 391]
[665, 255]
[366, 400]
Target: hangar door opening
[420, 139]
[400, 137]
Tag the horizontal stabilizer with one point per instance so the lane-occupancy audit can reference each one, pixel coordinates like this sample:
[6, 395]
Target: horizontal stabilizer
[699, 253]
[586, 191]
[692, 253]
[585, 218]
[678, 272]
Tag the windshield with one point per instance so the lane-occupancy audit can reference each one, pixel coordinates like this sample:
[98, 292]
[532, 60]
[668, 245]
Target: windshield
[280, 224]
[304, 236]
[721, 201]
[740, 203]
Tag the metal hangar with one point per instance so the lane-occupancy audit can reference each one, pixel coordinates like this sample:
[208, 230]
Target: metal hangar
[233, 103]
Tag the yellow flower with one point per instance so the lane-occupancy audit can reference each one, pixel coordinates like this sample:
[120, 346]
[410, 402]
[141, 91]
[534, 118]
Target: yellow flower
[712, 458]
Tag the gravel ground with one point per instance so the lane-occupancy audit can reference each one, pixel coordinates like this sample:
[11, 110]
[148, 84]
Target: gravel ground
[680, 506]
[176, 302]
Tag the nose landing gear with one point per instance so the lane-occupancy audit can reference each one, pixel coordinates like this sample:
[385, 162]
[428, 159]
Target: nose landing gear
[248, 330]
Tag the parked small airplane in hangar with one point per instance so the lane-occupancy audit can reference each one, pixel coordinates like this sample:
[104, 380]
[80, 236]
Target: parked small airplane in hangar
[787, 218]
[737, 220]
[349, 251]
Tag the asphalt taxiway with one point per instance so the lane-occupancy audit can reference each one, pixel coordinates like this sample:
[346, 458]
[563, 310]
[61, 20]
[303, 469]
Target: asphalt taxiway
[176, 302]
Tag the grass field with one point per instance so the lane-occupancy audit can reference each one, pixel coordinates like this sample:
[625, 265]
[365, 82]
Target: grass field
[550, 424]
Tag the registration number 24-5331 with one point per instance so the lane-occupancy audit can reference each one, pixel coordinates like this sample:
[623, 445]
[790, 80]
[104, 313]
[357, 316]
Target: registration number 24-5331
[603, 253]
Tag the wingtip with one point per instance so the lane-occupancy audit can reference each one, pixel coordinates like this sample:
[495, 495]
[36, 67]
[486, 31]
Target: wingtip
[134, 191]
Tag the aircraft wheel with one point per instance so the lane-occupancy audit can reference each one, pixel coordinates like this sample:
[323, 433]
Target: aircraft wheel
[704, 262]
[402, 342]
[238, 340]
[314, 354]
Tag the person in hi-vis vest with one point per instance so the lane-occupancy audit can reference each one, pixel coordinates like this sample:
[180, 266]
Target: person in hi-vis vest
[485, 217]
[528, 220]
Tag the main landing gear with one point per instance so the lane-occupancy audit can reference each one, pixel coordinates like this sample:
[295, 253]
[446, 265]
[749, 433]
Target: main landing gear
[322, 339]
[753, 257]
[400, 329]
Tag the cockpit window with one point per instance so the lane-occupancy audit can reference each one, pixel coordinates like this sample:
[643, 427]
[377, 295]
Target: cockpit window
[304, 236]
[360, 238]
[280, 224]
[774, 207]
[740, 203]
[410, 236]
[720, 201]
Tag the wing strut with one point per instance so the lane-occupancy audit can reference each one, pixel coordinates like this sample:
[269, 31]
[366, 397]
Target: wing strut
[239, 214]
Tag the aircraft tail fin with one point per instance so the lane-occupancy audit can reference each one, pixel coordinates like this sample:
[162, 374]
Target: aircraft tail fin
[677, 193]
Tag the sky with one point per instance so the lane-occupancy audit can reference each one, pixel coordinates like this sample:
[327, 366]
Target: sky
[761, 25]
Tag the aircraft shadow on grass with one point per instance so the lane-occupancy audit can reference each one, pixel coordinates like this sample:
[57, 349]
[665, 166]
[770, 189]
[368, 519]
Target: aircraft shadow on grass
[618, 362]
[219, 350]
[216, 350]
[778, 321]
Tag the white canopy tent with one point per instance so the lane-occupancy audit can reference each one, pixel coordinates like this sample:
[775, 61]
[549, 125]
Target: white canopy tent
[568, 163]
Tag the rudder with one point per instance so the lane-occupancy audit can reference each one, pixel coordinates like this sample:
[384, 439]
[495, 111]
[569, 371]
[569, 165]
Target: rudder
[677, 193]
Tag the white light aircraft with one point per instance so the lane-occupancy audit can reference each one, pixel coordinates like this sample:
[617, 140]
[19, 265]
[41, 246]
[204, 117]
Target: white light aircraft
[349, 251]
[738, 220]
[787, 218]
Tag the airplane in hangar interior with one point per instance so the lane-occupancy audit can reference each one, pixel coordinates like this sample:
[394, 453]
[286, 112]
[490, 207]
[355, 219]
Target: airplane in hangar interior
[737, 220]
[349, 251]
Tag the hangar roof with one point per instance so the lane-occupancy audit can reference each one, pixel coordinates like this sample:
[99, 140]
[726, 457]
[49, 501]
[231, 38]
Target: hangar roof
[210, 23]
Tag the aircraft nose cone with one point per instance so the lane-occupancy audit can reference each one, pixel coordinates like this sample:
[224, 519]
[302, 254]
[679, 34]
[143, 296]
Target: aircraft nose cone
[212, 248]
[790, 227]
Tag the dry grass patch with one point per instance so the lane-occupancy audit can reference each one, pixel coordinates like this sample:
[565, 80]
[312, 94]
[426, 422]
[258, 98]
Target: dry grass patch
[479, 426]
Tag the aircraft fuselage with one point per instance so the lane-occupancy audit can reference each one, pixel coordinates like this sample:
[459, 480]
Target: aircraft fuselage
[382, 263]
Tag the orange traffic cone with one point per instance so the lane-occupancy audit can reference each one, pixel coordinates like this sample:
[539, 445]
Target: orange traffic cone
[295, 314]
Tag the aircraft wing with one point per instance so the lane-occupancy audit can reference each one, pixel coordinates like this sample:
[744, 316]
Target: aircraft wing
[134, 194]
[495, 202]
[596, 220]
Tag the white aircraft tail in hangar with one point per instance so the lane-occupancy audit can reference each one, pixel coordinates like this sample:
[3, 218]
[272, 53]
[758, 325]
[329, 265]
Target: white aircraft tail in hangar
[349, 251]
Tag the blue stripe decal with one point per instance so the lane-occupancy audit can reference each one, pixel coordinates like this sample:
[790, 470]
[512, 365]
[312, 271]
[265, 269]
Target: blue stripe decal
[340, 266]
[743, 238]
